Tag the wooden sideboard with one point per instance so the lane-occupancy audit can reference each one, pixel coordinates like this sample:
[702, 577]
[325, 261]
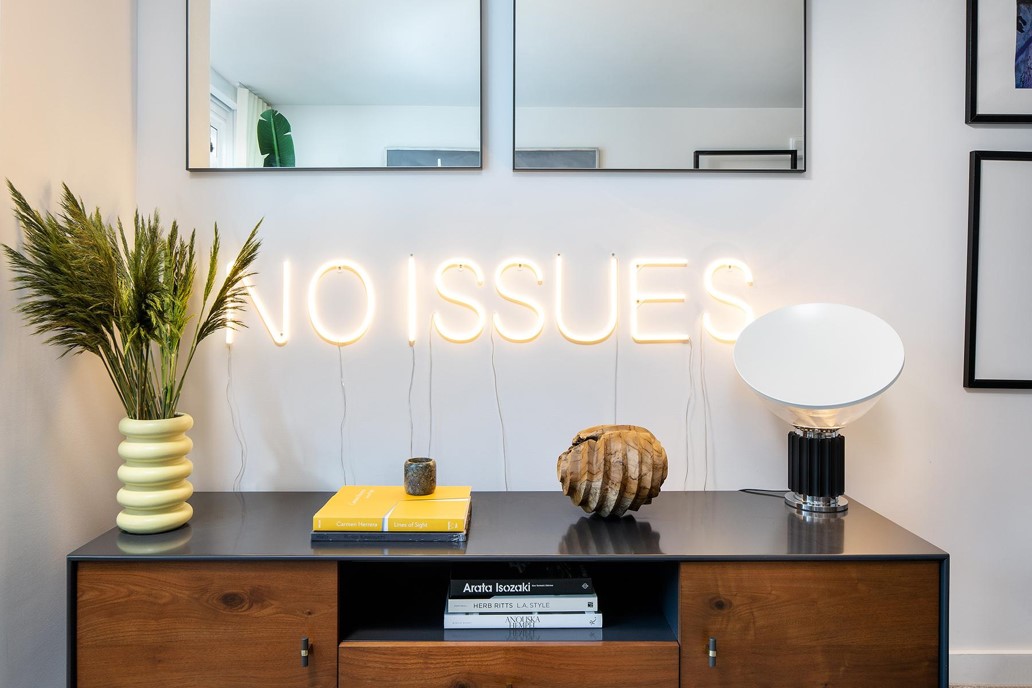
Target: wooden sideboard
[853, 600]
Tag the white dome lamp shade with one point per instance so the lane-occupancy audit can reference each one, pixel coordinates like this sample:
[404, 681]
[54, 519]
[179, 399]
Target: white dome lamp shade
[818, 366]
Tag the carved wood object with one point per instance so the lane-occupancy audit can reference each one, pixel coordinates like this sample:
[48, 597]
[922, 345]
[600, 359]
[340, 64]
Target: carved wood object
[612, 468]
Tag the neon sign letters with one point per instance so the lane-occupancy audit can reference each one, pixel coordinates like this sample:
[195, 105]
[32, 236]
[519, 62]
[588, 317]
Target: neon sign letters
[472, 278]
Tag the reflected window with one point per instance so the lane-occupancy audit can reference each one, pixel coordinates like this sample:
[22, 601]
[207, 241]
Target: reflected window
[223, 121]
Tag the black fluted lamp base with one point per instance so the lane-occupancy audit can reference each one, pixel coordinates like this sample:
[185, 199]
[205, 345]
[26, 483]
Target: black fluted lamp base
[816, 470]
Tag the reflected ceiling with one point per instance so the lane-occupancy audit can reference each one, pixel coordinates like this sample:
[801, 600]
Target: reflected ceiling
[349, 52]
[660, 53]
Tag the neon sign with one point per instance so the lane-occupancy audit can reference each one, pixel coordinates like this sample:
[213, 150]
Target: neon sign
[473, 276]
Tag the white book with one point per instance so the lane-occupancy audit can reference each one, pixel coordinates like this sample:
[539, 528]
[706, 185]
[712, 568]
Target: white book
[453, 620]
[523, 635]
[523, 604]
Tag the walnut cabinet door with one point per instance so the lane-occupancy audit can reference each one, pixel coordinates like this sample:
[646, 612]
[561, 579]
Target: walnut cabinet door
[212, 624]
[821, 624]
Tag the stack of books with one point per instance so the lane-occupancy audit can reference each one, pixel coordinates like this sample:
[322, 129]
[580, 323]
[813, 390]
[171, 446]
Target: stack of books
[522, 603]
[373, 513]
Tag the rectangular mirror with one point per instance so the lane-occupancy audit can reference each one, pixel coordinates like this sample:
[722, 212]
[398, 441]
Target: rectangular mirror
[357, 84]
[660, 84]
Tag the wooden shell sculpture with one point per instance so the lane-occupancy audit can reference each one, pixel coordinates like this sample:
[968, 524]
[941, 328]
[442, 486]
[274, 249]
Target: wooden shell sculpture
[612, 468]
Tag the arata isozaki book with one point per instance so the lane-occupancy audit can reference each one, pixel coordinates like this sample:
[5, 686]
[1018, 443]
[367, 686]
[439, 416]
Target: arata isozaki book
[388, 508]
[454, 620]
[491, 587]
[502, 604]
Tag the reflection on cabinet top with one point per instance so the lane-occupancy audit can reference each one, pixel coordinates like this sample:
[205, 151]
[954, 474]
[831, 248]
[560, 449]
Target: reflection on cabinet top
[533, 525]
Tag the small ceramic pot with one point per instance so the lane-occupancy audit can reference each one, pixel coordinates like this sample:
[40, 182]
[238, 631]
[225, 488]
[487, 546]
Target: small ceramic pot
[420, 476]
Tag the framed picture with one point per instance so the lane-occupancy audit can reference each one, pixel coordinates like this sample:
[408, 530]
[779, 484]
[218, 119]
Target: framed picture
[790, 157]
[999, 61]
[998, 321]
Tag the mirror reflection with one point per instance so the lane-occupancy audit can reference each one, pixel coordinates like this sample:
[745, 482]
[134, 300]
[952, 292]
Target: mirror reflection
[659, 84]
[333, 84]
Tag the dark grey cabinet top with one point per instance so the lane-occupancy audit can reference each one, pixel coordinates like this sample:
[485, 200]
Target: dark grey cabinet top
[531, 525]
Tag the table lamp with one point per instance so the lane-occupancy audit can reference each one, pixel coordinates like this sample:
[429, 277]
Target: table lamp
[818, 366]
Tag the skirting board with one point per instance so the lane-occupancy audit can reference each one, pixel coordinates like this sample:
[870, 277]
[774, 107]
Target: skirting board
[997, 669]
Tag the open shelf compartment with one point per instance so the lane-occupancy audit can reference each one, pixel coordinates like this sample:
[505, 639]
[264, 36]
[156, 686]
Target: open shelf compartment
[406, 602]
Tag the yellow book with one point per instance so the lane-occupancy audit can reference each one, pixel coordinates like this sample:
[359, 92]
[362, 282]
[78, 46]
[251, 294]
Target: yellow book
[379, 508]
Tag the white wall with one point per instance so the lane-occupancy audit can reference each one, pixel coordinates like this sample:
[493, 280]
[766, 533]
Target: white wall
[63, 117]
[659, 137]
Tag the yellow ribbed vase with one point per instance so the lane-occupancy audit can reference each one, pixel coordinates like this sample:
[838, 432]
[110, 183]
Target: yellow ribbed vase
[155, 474]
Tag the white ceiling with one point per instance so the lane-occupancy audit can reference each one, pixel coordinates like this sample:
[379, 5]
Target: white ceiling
[657, 53]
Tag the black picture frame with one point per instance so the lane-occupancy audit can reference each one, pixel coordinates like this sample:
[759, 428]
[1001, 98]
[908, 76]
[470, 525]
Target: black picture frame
[792, 155]
[972, 379]
[972, 113]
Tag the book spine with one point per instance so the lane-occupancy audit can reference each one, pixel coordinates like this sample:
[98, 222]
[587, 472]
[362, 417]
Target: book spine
[368, 525]
[380, 536]
[435, 525]
[524, 586]
[576, 620]
[524, 604]
[510, 635]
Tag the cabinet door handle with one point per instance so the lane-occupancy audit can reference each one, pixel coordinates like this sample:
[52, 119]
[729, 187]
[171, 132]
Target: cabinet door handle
[712, 652]
[306, 650]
